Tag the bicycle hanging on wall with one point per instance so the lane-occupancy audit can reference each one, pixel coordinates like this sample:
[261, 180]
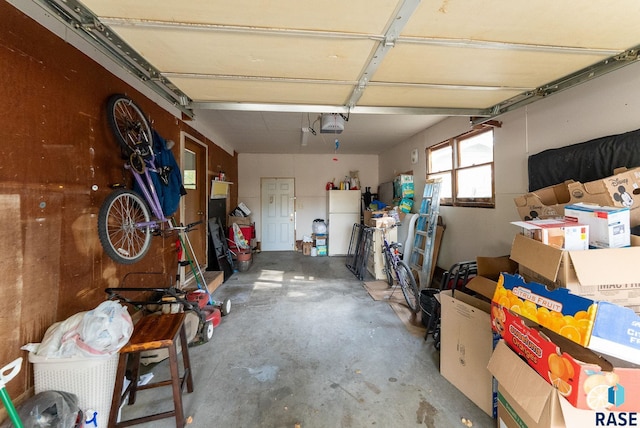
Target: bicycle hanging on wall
[127, 219]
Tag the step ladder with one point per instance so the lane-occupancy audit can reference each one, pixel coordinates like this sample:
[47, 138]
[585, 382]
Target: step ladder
[421, 259]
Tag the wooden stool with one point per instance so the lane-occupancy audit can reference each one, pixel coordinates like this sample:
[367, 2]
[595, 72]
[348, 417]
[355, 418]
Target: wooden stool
[150, 333]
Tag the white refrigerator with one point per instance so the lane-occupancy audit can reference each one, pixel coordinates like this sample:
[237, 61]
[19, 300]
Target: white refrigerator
[343, 210]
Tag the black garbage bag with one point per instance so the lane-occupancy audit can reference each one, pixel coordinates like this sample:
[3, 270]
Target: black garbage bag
[50, 409]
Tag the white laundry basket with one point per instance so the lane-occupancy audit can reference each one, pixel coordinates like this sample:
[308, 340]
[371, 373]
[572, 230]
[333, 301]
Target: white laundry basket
[91, 379]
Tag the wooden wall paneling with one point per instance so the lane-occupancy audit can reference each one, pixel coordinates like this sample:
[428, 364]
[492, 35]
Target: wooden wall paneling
[56, 146]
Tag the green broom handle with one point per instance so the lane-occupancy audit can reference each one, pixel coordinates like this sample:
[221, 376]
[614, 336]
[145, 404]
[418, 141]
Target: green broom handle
[4, 396]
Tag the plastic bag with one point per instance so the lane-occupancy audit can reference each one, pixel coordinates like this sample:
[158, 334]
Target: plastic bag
[105, 329]
[101, 331]
[319, 227]
[50, 409]
[52, 345]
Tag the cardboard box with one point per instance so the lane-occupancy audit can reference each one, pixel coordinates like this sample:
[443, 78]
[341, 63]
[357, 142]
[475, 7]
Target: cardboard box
[466, 347]
[555, 322]
[609, 227]
[584, 378]
[616, 332]
[568, 235]
[601, 326]
[526, 400]
[241, 210]
[306, 248]
[240, 221]
[368, 215]
[567, 314]
[604, 274]
[618, 190]
[382, 222]
[492, 267]
[319, 239]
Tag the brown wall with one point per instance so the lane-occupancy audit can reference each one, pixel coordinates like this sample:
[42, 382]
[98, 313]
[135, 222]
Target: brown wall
[54, 146]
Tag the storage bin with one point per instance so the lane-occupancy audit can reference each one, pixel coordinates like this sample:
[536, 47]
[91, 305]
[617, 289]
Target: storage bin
[91, 379]
[249, 233]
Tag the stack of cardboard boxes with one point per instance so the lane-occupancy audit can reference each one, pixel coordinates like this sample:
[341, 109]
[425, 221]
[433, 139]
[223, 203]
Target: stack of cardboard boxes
[563, 347]
[320, 242]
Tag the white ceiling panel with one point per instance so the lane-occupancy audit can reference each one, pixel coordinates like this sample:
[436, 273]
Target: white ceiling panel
[354, 16]
[597, 24]
[390, 57]
[415, 96]
[182, 50]
[451, 65]
[223, 90]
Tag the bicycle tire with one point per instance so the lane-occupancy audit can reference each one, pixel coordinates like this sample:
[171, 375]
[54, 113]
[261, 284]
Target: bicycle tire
[388, 267]
[408, 286]
[120, 239]
[130, 127]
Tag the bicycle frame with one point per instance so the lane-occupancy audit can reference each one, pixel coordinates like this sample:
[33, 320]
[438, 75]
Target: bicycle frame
[150, 194]
[402, 273]
[393, 254]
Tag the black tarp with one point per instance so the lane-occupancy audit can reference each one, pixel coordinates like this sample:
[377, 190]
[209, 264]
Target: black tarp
[584, 162]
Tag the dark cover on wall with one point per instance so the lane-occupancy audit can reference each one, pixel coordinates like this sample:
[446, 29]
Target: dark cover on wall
[584, 162]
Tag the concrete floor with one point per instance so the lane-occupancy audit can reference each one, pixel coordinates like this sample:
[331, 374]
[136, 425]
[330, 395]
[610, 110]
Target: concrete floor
[306, 344]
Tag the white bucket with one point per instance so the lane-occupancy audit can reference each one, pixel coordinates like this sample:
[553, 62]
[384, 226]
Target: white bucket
[314, 251]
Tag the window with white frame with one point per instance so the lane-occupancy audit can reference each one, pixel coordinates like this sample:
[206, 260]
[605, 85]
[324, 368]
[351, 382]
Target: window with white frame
[465, 164]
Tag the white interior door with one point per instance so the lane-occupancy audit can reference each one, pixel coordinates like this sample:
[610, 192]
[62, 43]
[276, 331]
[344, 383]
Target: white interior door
[278, 226]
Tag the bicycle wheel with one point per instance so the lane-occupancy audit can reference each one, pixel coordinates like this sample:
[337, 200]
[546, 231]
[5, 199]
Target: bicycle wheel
[121, 239]
[129, 125]
[388, 266]
[408, 286]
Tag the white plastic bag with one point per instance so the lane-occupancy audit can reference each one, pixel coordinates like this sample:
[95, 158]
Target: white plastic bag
[101, 331]
[104, 330]
[52, 345]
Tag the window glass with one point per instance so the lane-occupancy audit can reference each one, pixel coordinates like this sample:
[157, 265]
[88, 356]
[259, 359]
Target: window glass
[465, 165]
[189, 173]
[475, 182]
[446, 191]
[476, 150]
[441, 159]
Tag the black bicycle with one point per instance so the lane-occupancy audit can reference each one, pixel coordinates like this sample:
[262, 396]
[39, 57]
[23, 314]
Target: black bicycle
[398, 271]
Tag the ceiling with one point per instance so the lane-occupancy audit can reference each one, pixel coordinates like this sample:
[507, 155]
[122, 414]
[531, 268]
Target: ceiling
[259, 71]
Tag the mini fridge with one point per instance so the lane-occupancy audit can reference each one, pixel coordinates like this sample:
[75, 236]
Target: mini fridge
[343, 210]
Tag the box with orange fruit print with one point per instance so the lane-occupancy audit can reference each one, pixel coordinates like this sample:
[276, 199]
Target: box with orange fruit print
[558, 353]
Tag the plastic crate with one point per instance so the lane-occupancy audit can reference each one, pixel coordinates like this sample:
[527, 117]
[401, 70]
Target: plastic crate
[91, 379]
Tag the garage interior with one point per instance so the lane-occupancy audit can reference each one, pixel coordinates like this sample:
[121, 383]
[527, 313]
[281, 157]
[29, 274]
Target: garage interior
[249, 85]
